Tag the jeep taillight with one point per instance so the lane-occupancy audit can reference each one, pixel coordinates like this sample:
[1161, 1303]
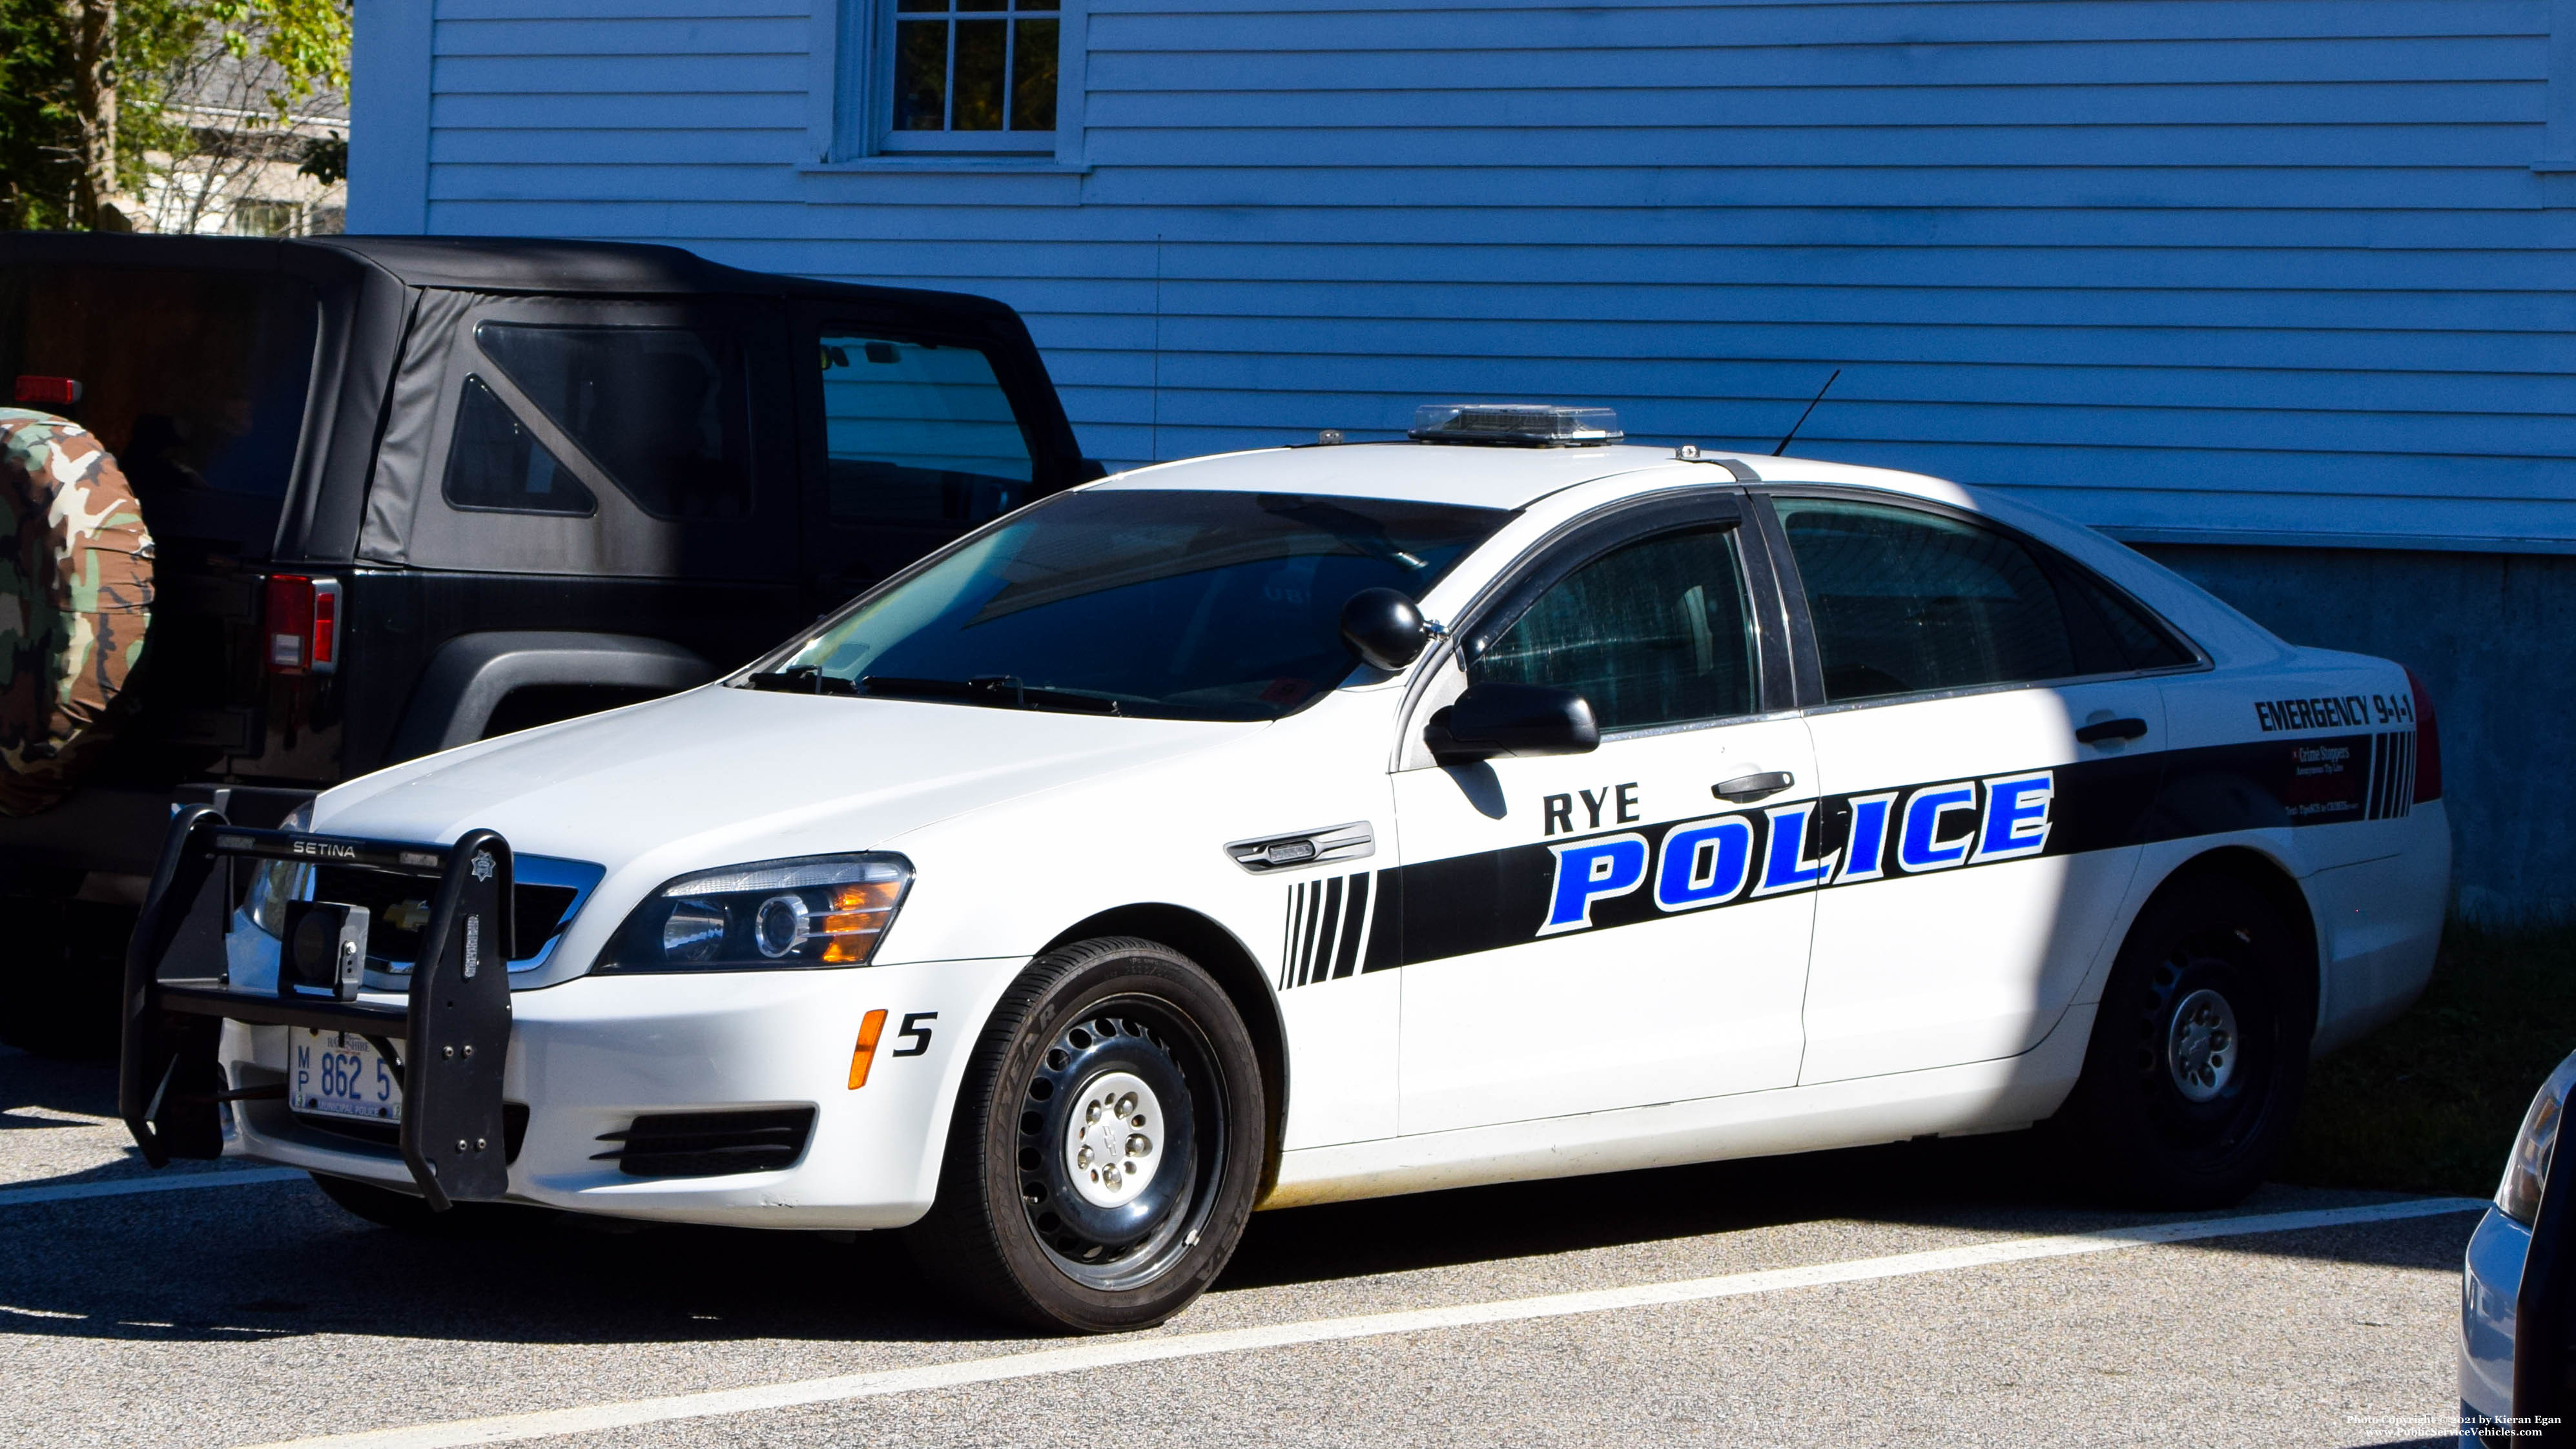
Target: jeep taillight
[2428, 743]
[46, 392]
[302, 625]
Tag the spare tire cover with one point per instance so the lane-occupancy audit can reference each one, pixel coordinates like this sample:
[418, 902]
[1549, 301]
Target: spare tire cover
[75, 600]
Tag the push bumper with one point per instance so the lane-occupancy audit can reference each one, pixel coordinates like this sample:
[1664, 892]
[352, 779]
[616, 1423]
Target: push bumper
[623, 1095]
[454, 1025]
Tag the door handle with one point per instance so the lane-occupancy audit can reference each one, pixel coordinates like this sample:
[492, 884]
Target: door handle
[2110, 729]
[1745, 789]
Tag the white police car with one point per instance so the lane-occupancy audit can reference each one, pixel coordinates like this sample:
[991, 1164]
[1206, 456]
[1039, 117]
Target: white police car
[1146, 857]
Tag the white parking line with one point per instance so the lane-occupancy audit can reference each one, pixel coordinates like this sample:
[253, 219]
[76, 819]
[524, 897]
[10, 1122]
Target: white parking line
[120, 1187]
[1105, 1352]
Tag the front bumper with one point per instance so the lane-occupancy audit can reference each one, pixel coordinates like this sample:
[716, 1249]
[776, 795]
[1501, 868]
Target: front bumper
[2488, 1287]
[590, 1056]
[615, 1094]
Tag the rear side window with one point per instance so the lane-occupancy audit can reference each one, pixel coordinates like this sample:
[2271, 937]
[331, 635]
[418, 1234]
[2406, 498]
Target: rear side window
[1651, 634]
[918, 433]
[661, 410]
[495, 462]
[1905, 602]
[2136, 641]
[195, 380]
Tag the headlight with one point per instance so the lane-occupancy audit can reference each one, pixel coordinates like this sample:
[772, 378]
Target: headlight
[275, 882]
[824, 910]
[2528, 1170]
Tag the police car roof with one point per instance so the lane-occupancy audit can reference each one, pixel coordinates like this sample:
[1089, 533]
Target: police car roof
[1494, 477]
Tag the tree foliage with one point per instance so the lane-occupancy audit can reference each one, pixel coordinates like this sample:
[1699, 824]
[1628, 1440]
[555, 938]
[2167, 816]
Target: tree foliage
[300, 48]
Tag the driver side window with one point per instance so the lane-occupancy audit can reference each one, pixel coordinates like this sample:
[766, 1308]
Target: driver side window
[1652, 633]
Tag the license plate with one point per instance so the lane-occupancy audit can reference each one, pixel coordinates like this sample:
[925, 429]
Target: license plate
[335, 1074]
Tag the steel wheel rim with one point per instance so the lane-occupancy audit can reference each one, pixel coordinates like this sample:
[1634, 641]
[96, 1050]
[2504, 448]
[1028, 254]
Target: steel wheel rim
[2202, 1046]
[1124, 1239]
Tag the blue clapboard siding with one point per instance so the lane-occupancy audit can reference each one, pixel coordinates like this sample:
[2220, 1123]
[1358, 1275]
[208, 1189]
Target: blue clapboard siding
[2272, 269]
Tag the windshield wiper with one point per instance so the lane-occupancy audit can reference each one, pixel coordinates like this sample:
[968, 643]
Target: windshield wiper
[1003, 690]
[802, 679]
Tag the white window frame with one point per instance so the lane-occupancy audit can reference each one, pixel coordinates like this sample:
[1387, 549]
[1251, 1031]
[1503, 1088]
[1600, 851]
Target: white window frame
[852, 100]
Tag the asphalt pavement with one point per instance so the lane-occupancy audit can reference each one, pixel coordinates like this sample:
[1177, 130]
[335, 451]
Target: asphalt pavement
[1922, 1293]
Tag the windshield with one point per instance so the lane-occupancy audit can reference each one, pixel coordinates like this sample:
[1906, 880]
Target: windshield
[1161, 603]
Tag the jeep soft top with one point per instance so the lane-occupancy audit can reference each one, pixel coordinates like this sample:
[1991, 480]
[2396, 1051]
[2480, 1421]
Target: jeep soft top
[407, 492]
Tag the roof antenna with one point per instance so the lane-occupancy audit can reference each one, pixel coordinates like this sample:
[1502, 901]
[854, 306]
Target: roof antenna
[1802, 417]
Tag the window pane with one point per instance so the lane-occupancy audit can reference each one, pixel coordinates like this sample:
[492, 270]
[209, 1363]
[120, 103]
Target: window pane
[1652, 634]
[1906, 601]
[495, 462]
[980, 56]
[211, 404]
[2142, 644]
[660, 409]
[1033, 76]
[916, 433]
[921, 75]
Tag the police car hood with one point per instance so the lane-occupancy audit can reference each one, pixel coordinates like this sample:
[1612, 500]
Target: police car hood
[718, 775]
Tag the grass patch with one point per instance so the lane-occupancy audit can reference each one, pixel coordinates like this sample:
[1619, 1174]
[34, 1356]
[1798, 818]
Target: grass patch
[2430, 1102]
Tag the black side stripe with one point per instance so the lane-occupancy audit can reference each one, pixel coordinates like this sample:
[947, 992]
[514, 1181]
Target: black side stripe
[2392, 776]
[1352, 918]
[1315, 917]
[1337, 927]
[1288, 938]
[1386, 923]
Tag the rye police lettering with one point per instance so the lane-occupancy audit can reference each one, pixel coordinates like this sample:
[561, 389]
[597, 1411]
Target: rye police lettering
[1749, 854]
[1557, 811]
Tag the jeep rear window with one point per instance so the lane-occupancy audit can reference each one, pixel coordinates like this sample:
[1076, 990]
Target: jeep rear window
[1164, 603]
[195, 380]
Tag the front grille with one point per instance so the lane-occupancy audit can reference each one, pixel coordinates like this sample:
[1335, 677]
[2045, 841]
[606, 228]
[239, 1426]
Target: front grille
[387, 1135]
[537, 912]
[709, 1144]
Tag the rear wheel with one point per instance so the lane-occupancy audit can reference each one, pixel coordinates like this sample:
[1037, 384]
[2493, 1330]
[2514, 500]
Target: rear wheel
[2200, 1052]
[1107, 1143]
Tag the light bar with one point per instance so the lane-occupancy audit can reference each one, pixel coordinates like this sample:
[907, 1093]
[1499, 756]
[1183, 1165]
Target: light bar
[1515, 425]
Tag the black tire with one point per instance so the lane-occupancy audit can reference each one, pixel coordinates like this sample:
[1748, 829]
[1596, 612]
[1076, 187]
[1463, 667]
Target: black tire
[2174, 1113]
[405, 1213]
[62, 971]
[1011, 1231]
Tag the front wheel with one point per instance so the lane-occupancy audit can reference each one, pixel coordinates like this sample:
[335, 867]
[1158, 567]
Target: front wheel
[2200, 1052]
[1107, 1143]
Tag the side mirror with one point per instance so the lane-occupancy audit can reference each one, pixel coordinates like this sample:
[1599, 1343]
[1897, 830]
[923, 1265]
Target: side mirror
[1384, 628]
[1512, 719]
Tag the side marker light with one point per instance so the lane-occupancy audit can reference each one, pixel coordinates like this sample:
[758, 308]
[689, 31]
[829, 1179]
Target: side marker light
[865, 1054]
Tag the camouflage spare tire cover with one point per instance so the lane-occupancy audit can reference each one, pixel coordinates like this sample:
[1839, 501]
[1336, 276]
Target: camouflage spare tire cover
[75, 598]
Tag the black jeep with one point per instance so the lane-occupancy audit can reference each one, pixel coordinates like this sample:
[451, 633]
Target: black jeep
[411, 492]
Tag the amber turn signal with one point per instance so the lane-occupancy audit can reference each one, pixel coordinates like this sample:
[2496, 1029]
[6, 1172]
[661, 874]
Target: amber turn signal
[865, 1054]
[858, 916]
